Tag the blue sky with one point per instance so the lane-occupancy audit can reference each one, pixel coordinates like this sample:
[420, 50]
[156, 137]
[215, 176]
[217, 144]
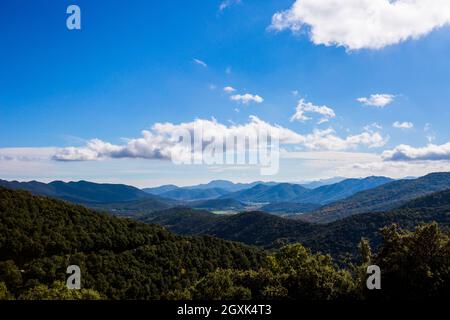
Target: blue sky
[137, 63]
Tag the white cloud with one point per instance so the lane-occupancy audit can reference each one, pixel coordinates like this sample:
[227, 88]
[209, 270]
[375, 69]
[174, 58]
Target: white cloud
[328, 140]
[163, 140]
[27, 154]
[247, 98]
[394, 169]
[304, 107]
[372, 126]
[407, 153]
[377, 100]
[229, 89]
[430, 134]
[228, 3]
[200, 62]
[403, 125]
[359, 24]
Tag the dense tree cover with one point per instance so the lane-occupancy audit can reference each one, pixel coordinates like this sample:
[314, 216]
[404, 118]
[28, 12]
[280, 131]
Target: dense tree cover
[292, 273]
[59, 291]
[289, 208]
[414, 265]
[119, 258]
[124, 259]
[339, 239]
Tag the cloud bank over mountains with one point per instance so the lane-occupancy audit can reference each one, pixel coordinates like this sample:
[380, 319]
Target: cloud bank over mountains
[163, 140]
[431, 152]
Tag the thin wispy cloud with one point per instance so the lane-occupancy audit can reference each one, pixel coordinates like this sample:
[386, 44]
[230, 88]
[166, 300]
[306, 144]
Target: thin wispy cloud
[430, 134]
[228, 3]
[363, 24]
[377, 100]
[373, 126]
[200, 62]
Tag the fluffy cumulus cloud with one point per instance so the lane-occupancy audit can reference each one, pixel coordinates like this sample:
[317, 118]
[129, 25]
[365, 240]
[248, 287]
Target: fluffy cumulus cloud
[431, 152]
[328, 140]
[247, 98]
[229, 89]
[403, 125]
[304, 107]
[377, 100]
[363, 24]
[164, 140]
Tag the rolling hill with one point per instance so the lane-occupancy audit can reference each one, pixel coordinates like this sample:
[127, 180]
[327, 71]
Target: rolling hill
[294, 193]
[339, 238]
[382, 198]
[120, 258]
[282, 192]
[217, 205]
[182, 194]
[289, 208]
[184, 221]
[81, 191]
[158, 190]
[341, 190]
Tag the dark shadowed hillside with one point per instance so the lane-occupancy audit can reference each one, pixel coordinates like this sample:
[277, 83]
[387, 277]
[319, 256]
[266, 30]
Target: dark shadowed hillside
[81, 191]
[289, 208]
[182, 220]
[339, 238]
[217, 204]
[194, 194]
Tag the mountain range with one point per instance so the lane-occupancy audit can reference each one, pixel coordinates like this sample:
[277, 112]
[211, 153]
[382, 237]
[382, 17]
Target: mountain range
[320, 205]
[81, 191]
[337, 238]
[382, 198]
[286, 192]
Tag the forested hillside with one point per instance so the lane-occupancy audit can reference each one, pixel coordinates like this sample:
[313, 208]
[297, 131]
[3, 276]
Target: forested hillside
[339, 238]
[119, 258]
[124, 259]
